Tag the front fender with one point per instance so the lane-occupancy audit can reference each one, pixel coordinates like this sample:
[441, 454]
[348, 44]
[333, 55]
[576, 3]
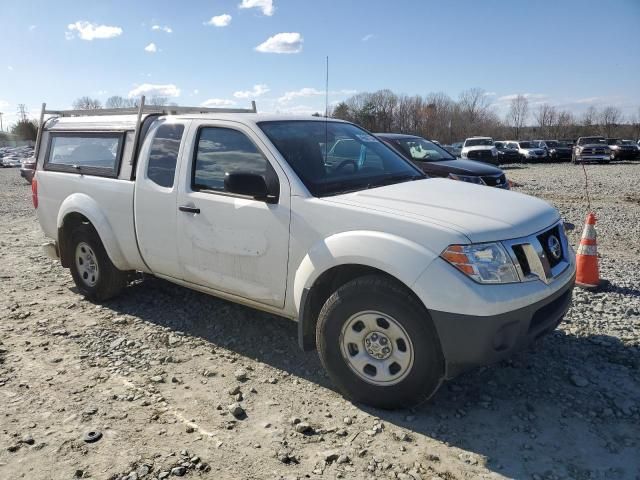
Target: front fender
[87, 206]
[403, 259]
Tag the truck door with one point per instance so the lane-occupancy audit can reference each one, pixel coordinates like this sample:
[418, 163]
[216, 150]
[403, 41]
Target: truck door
[155, 200]
[228, 242]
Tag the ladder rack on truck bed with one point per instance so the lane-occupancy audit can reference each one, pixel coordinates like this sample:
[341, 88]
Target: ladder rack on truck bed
[140, 110]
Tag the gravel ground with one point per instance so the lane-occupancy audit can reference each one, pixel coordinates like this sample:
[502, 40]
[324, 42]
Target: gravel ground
[182, 384]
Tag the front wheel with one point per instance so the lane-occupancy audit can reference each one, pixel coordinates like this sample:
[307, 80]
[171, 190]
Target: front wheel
[379, 345]
[93, 272]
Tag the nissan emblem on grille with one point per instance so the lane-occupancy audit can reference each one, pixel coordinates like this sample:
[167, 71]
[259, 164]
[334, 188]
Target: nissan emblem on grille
[554, 247]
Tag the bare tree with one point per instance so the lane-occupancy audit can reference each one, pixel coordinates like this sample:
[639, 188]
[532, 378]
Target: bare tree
[610, 117]
[518, 112]
[589, 118]
[116, 101]
[157, 101]
[87, 103]
[564, 125]
[546, 117]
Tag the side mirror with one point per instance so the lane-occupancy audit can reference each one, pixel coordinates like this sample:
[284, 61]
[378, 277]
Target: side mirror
[250, 185]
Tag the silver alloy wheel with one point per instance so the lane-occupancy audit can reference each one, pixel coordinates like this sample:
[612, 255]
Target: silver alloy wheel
[376, 348]
[87, 264]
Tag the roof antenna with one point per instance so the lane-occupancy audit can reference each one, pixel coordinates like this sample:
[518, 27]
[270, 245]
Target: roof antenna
[326, 112]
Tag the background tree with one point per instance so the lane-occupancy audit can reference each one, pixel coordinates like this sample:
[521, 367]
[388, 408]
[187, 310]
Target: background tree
[518, 112]
[116, 101]
[610, 117]
[546, 118]
[86, 103]
[25, 129]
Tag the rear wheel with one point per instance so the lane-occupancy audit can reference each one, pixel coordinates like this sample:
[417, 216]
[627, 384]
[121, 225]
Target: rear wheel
[378, 344]
[93, 272]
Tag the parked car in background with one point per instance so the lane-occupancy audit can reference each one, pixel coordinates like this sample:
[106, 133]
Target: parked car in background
[570, 142]
[481, 149]
[556, 149]
[455, 149]
[591, 149]
[530, 152]
[507, 152]
[437, 162]
[28, 169]
[13, 156]
[621, 150]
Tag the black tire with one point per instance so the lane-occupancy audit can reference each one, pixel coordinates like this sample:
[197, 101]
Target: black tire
[381, 294]
[110, 281]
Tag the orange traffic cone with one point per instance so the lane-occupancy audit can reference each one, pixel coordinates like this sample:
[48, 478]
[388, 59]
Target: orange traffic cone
[587, 272]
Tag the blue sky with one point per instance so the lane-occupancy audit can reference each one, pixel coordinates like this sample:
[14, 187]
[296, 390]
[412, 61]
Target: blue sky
[572, 53]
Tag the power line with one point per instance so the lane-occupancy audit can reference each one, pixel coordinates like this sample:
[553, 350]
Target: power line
[22, 112]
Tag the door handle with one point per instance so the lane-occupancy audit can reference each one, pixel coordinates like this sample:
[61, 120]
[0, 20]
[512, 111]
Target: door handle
[185, 208]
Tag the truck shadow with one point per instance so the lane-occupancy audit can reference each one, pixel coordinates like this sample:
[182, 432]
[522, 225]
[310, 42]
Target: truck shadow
[567, 407]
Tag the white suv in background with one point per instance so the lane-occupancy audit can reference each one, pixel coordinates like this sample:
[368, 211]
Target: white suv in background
[482, 149]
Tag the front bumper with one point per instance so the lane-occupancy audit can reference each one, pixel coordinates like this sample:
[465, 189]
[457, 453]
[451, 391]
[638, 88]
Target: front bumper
[593, 158]
[469, 341]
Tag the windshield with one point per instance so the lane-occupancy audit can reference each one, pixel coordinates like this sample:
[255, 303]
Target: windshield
[474, 142]
[551, 143]
[423, 150]
[592, 141]
[336, 157]
[613, 141]
[527, 145]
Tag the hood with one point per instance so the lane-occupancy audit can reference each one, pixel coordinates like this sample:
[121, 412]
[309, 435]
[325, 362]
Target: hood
[479, 147]
[481, 214]
[459, 166]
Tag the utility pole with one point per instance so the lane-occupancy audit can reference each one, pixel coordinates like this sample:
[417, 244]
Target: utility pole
[22, 112]
[1, 129]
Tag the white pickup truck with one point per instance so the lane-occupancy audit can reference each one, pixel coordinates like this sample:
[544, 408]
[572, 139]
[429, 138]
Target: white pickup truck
[398, 280]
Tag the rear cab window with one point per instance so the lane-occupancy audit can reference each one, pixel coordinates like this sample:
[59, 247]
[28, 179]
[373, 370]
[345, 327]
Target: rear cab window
[163, 157]
[91, 153]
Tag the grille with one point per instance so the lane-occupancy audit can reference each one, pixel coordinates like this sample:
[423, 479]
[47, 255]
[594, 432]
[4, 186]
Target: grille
[544, 241]
[479, 154]
[533, 257]
[594, 151]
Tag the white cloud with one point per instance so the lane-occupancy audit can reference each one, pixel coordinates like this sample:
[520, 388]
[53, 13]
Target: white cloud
[265, 5]
[165, 28]
[10, 68]
[368, 37]
[196, 91]
[311, 92]
[290, 42]
[151, 90]
[218, 102]
[220, 20]
[90, 31]
[528, 96]
[589, 100]
[151, 48]
[4, 104]
[257, 91]
[32, 27]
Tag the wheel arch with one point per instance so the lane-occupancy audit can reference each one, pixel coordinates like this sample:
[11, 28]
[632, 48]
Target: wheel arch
[344, 257]
[80, 208]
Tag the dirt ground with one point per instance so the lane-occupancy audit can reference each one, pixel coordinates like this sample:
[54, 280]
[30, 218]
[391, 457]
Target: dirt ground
[157, 373]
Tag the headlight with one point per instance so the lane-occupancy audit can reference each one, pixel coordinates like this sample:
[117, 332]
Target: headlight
[483, 262]
[467, 178]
